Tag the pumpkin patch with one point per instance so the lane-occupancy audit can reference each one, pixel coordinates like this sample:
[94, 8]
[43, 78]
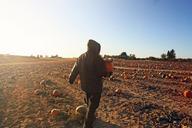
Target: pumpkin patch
[135, 95]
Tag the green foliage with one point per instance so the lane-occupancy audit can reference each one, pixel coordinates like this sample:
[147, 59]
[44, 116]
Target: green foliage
[152, 58]
[132, 57]
[163, 56]
[123, 55]
[171, 55]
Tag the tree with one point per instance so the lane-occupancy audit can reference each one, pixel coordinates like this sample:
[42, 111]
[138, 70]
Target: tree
[55, 56]
[38, 56]
[32, 56]
[132, 57]
[163, 56]
[123, 55]
[171, 55]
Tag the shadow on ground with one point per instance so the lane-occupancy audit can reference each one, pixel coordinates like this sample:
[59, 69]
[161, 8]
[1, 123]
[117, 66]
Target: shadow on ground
[102, 124]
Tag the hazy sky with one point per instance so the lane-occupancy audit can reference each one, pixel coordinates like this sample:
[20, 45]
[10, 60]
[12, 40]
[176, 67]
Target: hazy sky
[49, 27]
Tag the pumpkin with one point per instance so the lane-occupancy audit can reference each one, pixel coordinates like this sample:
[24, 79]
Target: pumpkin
[163, 76]
[111, 78]
[117, 91]
[186, 80]
[56, 93]
[187, 94]
[38, 92]
[144, 77]
[170, 75]
[55, 112]
[82, 109]
[173, 77]
[125, 76]
[109, 65]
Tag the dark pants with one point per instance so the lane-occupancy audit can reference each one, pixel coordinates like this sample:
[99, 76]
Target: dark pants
[92, 100]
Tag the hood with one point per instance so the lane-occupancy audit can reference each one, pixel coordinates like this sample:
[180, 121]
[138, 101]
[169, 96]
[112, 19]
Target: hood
[93, 47]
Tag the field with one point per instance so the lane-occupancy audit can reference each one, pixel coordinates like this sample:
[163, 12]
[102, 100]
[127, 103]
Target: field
[140, 94]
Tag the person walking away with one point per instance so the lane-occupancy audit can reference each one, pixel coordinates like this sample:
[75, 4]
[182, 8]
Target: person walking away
[91, 68]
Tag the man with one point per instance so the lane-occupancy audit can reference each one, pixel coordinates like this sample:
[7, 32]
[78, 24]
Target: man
[91, 68]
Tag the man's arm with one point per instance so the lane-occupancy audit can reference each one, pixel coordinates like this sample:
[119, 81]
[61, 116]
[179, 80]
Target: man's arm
[74, 73]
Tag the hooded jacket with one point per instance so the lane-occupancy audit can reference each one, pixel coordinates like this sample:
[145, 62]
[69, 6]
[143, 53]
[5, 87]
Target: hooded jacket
[91, 68]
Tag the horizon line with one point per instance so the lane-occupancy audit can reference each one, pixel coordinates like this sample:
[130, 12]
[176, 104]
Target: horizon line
[49, 56]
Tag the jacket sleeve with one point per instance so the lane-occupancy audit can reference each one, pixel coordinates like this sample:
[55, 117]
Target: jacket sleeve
[74, 73]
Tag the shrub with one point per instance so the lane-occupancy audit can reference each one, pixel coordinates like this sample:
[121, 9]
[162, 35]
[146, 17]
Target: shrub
[163, 56]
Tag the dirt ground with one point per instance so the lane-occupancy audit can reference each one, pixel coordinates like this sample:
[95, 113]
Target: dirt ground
[140, 94]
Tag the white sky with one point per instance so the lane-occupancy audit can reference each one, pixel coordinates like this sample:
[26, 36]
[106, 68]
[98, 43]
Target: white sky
[49, 27]
[26, 28]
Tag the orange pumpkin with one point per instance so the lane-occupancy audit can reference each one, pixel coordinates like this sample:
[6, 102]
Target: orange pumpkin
[144, 77]
[56, 93]
[82, 109]
[125, 76]
[55, 112]
[37, 92]
[109, 65]
[117, 91]
[186, 80]
[187, 94]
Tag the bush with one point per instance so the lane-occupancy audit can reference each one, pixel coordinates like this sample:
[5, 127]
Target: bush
[163, 56]
[152, 58]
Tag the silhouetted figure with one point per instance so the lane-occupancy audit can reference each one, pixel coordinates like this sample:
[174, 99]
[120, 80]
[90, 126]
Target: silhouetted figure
[91, 68]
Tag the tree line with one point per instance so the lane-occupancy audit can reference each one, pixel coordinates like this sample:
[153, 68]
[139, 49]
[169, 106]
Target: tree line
[170, 55]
